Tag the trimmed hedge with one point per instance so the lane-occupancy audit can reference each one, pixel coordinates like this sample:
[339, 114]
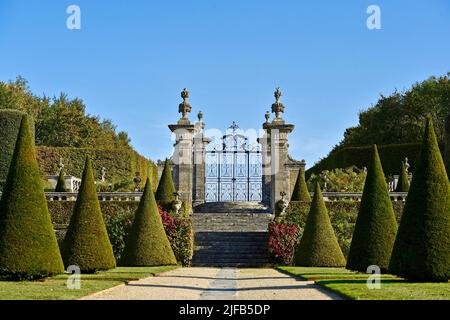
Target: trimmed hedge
[343, 216]
[301, 192]
[403, 180]
[28, 247]
[318, 245]
[422, 248]
[376, 227]
[121, 164]
[61, 184]
[9, 129]
[391, 158]
[118, 216]
[86, 243]
[147, 243]
[166, 188]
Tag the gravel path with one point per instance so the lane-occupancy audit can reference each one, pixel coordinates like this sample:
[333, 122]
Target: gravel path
[217, 284]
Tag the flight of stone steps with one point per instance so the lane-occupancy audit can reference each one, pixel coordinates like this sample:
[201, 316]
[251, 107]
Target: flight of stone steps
[231, 235]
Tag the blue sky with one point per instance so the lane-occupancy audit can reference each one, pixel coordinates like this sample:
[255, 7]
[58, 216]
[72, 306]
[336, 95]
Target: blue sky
[131, 59]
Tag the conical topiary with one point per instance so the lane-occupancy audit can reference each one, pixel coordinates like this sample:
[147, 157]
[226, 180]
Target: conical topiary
[61, 184]
[165, 193]
[422, 248]
[147, 243]
[86, 243]
[403, 181]
[376, 226]
[318, 246]
[28, 247]
[301, 192]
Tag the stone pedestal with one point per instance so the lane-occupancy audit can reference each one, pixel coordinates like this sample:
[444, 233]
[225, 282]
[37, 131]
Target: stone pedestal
[200, 144]
[276, 174]
[182, 158]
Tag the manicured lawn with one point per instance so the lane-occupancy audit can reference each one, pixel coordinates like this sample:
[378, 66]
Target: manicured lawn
[55, 288]
[354, 285]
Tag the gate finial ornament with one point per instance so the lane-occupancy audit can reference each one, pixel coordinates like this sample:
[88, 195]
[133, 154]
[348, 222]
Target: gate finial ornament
[277, 107]
[184, 108]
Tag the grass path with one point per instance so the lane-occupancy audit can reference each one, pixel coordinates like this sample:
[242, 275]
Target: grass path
[55, 288]
[354, 285]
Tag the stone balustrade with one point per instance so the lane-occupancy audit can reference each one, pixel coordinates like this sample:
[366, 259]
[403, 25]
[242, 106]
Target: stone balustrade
[136, 196]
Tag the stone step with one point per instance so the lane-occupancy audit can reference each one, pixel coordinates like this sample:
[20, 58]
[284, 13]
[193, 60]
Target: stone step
[231, 207]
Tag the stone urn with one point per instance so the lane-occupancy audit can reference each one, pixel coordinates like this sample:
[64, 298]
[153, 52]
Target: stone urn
[177, 203]
[281, 206]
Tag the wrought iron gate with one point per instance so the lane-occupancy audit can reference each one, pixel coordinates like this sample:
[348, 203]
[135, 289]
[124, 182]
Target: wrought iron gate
[233, 170]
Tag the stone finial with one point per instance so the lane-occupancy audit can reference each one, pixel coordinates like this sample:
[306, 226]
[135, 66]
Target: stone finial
[407, 165]
[277, 107]
[184, 108]
[267, 116]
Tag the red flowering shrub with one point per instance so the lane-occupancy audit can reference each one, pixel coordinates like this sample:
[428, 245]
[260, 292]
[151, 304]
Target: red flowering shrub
[282, 240]
[180, 233]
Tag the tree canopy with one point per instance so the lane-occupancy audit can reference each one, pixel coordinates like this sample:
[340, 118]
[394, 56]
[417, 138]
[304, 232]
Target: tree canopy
[61, 121]
[400, 117]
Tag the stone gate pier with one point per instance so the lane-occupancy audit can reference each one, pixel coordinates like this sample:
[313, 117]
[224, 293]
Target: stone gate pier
[236, 170]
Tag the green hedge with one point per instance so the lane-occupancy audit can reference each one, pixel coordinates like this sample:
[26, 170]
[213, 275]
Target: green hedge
[120, 164]
[9, 130]
[118, 216]
[391, 158]
[343, 216]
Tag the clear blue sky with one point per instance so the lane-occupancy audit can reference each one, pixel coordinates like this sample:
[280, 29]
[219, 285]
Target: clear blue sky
[131, 59]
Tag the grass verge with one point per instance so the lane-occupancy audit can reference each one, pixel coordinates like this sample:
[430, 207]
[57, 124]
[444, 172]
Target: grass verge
[354, 285]
[55, 288]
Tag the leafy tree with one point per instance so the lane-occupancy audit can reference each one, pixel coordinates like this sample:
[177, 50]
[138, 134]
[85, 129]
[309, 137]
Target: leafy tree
[400, 117]
[376, 225]
[86, 243]
[340, 180]
[28, 247]
[165, 193]
[301, 192]
[147, 243]
[403, 180]
[422, 248]
[60, 121]
[318, 246]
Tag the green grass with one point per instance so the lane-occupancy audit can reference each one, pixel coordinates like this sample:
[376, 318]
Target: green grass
[354, 285]
[55, 288]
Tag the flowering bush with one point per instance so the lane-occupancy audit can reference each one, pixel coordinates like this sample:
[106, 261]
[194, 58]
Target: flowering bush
[180, 233]
[283, 238]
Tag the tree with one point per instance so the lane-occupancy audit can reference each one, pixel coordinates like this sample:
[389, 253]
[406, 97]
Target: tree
[403, 181]
[318, 246]
[301, 192]
[147, 243]
[422, 247]
[28, 247]
[86, 243]
[376, 227]
[61, 184]
[165, 193]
